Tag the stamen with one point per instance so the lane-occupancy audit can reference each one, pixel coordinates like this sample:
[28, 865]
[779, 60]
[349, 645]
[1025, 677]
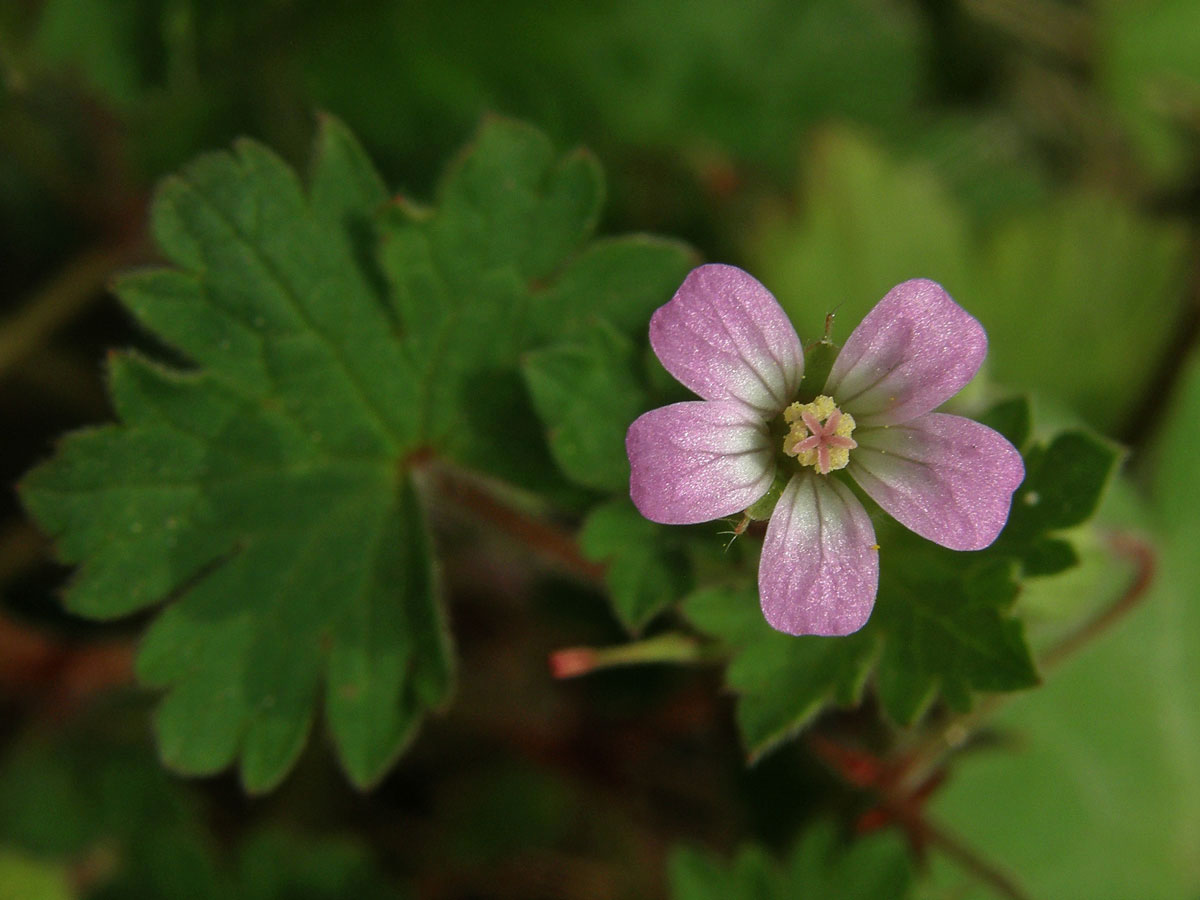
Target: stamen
[819, 435]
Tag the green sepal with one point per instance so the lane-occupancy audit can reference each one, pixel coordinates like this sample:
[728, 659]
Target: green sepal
[819, 357]
[760, 510]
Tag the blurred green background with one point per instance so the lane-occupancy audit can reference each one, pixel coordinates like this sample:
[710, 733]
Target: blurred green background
[1040, 159]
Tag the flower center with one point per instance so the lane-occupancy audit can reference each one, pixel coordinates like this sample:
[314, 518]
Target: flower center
[819, 434]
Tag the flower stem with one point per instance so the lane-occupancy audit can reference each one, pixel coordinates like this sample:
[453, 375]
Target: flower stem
[670, 647]
[984, 870]
[1141, 553]
[547, 541]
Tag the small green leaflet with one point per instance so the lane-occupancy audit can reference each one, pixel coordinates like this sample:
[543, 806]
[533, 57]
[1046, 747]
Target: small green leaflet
[947, 627]
[781, 682]
[942, 624]
[586, 393]
[270, 496]
[820, 865]
[644, 573]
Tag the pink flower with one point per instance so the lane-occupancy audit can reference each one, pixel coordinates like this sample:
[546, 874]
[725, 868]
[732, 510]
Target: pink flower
[947, 478]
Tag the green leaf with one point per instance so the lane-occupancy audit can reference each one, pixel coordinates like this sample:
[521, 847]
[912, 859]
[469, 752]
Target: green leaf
[262, 493]
[820, 865]
[1013, 418]
[500, 266]
[643, 575]
[1064, 482]
[946, 618]
[947, 630]
[943, 625]
[265, 494]
[625, 279]
[1049, 556]
[782, 682]
[587, 395]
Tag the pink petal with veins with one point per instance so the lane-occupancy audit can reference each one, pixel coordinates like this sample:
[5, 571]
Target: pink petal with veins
[725, 337]
[820, 568]
[947, 478]
[699, 460]
[913, 351]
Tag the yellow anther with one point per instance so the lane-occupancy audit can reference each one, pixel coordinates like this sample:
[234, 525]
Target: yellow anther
[819, 434]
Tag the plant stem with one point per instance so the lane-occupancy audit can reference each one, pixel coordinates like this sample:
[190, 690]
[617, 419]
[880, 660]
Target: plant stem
[544, 539]
[79, 283]
[670, 647]
[969, 859]
[1138, 551]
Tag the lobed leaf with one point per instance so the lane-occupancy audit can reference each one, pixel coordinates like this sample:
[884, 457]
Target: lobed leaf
[945, 631]
[265, 494]
[262, 492]
[1064, 482]
[500, 266]
[781, 682]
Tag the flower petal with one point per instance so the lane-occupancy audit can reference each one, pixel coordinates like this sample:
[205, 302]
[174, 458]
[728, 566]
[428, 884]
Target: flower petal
[820, 565]
[700, 460]
[724, 336]
[914, 350]
[947, 478]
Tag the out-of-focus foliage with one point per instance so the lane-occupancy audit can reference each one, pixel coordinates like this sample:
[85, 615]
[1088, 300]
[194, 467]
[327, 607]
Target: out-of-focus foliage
[1081, 271]
[875, 868]
[102, 820]
[1151, 69]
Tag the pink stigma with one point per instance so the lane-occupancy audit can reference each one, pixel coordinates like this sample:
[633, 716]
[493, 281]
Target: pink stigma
[822, 438]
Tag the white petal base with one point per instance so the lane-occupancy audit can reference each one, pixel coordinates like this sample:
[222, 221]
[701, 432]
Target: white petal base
[820, 565]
